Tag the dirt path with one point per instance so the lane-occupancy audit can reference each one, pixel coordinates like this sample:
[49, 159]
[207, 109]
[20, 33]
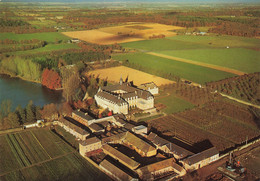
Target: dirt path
[240, 101]
[216, 67]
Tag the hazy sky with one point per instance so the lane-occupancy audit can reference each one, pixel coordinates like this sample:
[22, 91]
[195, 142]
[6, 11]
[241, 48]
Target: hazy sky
[179, 1]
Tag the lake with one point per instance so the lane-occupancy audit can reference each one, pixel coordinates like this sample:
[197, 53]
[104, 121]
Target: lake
[21, 92]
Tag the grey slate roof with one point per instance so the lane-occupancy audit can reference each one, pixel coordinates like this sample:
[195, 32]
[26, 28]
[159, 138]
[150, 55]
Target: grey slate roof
[90, 141]
[130, 91]
[201, 156]
[83, 115]
[110, 97]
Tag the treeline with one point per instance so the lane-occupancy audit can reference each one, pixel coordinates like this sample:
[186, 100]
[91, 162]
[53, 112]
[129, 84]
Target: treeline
[159, 73]
[236, 29]
[13, 119]
[46, 67]
[26, 68]
[25, 29]
[12, 45]
[12, 23]
[185, 19]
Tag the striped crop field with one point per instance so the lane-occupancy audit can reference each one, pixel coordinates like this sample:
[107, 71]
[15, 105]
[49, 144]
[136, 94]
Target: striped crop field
[39, 154]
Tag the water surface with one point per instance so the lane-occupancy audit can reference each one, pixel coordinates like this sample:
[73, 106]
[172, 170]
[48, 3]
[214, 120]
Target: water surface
[21, 92]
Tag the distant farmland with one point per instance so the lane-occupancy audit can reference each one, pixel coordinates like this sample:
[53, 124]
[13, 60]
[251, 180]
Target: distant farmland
[129, 32]
[191, 72]
[184, 42]
[229, 52]
[49, 36]
[138, 77]
[42, 155]
[245, 60]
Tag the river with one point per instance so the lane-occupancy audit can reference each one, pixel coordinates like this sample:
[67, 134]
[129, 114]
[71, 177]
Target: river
[21, 92]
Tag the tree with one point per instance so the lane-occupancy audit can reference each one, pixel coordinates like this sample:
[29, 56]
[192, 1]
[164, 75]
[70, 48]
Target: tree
[5, 108]
[21, 114]
[49, 112]
[71, 87]
[13, 120]
[38, 113]
[65, 109]
[51, 79]
[30, 112]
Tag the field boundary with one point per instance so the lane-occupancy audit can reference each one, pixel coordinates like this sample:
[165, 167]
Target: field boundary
[216, 67]
[240, 101]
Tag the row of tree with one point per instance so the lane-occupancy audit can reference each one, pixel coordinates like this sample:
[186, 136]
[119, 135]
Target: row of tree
[22, 47]
[26, 68]
[13, 119]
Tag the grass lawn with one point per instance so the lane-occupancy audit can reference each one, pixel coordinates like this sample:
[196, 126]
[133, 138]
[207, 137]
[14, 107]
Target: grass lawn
[191, 72]
[47, 48]
[48, 37]
[242, 59]
[174, 104]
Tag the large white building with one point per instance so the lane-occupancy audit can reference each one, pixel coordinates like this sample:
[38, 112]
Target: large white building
[120, 97]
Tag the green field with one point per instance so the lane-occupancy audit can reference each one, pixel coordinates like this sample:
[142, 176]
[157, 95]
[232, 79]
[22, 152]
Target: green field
[242, 59]
[47, 48]
[174, 104]
[162, 44]
[42, 23]
[184, 42]
[49, 37]
[218, 41]
[41, 155]
[240, 55]
[191, 72]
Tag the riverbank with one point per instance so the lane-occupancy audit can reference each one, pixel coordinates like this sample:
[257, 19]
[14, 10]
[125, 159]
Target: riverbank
[11, 75]
[20, 92]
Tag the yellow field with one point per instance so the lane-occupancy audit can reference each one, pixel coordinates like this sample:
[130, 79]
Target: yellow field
[113, 75]
[124, 33]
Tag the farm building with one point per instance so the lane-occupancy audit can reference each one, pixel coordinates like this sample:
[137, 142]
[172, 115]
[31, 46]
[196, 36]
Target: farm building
[120, 97]
[129, 126]
[115, 172]
[161, 168]
[151, 87]
[129, 139]
[81, 117]
[73, 129]
[89, 144]
[168, 147]
[122, 158]
[96, 128]
[201, 159]
[117, 119]
[139, 145]
[142, 130]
